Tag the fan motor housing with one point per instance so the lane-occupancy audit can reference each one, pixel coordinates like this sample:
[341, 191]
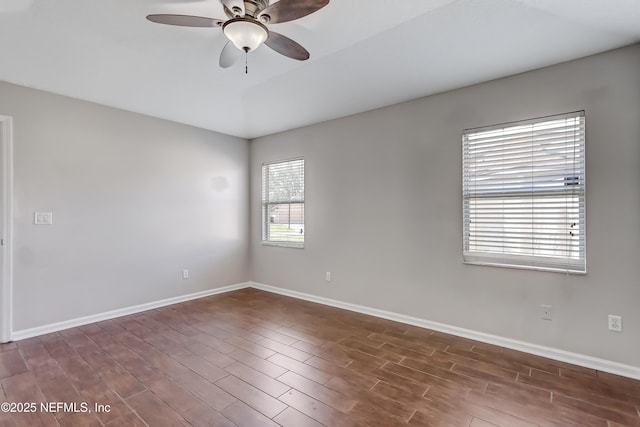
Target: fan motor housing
[251, 8]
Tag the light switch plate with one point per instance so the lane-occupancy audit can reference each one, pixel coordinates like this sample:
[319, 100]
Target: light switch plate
[546, 312]
[43, 218]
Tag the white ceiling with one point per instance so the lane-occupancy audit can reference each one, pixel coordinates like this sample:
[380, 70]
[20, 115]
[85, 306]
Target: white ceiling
[364, 54]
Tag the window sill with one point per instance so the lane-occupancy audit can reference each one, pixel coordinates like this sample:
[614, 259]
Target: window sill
[294, 245]
[528, 267]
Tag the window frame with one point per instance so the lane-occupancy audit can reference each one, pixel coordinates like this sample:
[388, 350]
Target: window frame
[266, 204]
[574, 201]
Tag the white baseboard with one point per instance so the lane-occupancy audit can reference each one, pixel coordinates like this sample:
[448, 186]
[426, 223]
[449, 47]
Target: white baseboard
[539, 350]
[548, 352]
[80, 321]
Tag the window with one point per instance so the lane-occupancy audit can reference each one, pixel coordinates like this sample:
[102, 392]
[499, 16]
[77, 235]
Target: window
[524, 194]
[283, 203]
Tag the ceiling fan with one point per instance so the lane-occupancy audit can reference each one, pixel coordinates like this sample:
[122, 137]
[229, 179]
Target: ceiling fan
[246, 27]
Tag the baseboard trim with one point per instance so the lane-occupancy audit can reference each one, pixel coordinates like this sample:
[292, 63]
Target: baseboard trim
[80, 321]
[548, 352]
[539, 350]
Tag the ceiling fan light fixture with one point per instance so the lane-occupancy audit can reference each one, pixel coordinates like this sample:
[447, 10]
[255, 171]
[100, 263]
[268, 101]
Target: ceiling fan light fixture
[245, 33]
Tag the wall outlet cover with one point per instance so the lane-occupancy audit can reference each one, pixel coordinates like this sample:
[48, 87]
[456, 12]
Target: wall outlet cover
[615, 323]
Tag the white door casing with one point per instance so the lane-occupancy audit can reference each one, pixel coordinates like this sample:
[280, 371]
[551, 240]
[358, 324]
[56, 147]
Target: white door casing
[6, 228]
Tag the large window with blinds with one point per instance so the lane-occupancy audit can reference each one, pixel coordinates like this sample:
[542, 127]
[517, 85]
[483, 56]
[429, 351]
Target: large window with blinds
[283, 203]
[524, 194]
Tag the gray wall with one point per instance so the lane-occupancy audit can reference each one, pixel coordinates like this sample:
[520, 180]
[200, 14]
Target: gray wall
[384, 210]
[135, 200]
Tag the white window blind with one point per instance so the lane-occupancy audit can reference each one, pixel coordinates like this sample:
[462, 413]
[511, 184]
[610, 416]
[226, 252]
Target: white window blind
[283, 203]
[524, 194]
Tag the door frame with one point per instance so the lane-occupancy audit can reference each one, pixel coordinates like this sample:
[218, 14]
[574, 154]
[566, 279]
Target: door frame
[6, 281]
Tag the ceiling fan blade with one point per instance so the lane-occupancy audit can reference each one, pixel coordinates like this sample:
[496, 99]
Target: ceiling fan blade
[228, 56]
[287, 47]
[185, 20]
[288, 10]
[237, 4]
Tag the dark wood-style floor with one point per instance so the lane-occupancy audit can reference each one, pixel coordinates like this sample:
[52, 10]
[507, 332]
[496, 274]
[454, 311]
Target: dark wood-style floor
[252, 358]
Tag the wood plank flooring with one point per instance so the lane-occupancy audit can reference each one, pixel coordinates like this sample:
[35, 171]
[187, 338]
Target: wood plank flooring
[252, 358]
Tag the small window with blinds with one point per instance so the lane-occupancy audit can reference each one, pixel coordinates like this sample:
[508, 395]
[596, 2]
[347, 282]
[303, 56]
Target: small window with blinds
[524, 194]
[283, 203]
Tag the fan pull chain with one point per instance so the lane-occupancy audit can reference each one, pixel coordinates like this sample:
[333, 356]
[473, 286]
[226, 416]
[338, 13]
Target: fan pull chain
[246, 65]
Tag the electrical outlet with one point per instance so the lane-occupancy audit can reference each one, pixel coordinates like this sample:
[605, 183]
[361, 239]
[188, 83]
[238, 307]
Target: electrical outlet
[185, 274]
[615, 323]
[546, 312]
[327, 276]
